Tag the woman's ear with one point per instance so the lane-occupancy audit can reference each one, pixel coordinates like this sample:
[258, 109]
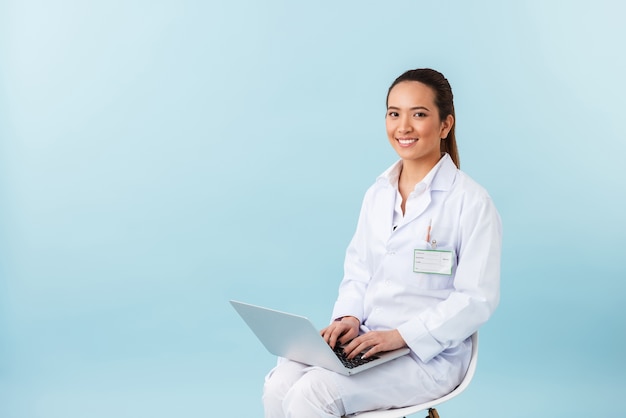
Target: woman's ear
[446, 126]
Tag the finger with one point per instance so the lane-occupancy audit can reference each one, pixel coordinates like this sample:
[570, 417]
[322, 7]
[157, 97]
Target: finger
[371, 351]
[357, 347]
[325, 334]
[359, 351]
[335, 334]
[332, 341]
[383, 342]
[352, 345]
[348, 336]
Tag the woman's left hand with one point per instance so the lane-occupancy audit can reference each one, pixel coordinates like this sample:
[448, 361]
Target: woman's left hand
[374, 342]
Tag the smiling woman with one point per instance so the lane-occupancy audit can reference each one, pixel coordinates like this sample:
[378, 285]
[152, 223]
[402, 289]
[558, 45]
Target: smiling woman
[425, 93]
[417, 130]
[422, 207]
[414, 127]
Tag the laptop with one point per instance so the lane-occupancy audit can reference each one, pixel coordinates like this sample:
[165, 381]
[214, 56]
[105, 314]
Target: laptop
[296, 338]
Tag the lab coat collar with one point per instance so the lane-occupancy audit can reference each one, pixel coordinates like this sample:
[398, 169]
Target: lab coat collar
[445, 175]
[440, 177]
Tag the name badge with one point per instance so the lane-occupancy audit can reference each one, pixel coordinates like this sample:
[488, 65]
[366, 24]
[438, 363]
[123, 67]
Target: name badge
[433, 262]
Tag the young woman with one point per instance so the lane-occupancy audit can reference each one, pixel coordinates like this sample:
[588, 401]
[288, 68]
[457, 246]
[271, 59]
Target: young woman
[422, 271]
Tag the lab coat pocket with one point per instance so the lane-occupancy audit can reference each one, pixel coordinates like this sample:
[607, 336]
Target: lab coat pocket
[433, 264]
[442, 237]
[430, 282]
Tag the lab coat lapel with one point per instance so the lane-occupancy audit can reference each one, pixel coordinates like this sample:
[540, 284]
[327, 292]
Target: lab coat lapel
[441, 182]
[385, 200]
[384, 207]
[421, 204]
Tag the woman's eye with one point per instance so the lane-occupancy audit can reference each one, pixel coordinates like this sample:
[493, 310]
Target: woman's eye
[420, 115]
[393, 114]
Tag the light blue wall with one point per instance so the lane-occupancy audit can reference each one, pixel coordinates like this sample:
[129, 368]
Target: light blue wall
[160, 157]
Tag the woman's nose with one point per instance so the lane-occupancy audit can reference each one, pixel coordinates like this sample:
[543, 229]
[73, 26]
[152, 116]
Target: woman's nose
[404, 125]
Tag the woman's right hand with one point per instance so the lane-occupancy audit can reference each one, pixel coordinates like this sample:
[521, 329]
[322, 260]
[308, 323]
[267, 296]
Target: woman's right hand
[341, 331]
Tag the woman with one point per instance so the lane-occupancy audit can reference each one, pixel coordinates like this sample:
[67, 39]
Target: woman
[422, 271]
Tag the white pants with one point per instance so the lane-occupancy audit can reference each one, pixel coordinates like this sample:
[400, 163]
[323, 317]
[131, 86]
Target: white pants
[295, 390]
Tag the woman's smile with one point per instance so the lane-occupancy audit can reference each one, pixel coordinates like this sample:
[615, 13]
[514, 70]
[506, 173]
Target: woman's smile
[406, 142]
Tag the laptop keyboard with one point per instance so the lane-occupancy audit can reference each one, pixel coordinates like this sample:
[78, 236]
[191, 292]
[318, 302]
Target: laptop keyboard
[352, 363]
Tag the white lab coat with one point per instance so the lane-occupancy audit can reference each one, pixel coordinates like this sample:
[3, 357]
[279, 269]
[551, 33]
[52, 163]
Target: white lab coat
[433, 313]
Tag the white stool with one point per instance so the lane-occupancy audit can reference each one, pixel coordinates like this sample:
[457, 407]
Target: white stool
[432, 412]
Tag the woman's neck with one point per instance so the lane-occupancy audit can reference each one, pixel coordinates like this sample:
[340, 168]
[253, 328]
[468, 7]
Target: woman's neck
[414, 171]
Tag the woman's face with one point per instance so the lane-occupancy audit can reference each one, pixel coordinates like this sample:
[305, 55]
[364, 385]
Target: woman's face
[414, 128]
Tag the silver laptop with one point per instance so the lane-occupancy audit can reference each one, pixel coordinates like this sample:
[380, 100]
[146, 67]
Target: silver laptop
[296, 338]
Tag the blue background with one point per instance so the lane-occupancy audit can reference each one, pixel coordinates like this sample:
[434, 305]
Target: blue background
[158, 158]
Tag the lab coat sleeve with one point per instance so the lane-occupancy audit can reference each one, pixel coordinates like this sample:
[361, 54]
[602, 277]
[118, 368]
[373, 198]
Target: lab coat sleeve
[476, 286]
[356, 271]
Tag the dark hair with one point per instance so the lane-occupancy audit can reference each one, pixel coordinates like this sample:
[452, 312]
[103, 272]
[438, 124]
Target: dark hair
[444, 100]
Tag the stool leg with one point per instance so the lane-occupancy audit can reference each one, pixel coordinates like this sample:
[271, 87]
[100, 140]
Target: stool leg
[432, 413]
